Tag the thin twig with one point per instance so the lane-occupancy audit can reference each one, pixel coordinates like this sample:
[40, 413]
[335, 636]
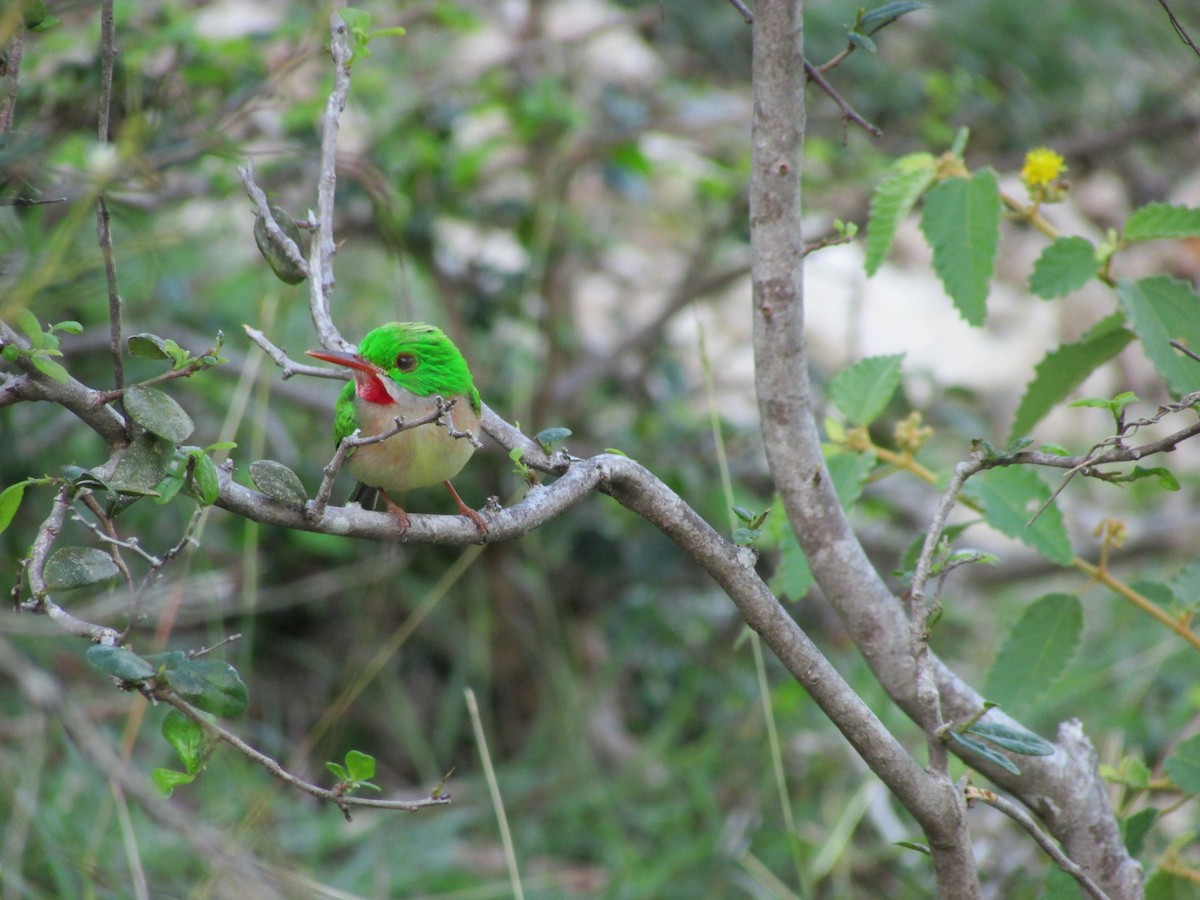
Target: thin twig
[744, 10]
[1179, 29]
[278, 237]
[40, 602]
[341, 800]
[848, 111]
[289, 366]
[510, 855]
[108, 53]
[1017, 813]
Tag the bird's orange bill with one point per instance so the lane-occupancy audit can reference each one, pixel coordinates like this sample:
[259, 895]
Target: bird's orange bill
[349, 360]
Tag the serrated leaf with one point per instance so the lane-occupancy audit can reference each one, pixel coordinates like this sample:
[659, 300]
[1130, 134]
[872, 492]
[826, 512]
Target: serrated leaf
[1066, 367]
[187, 737]
[209, 684]
[74, 567]
[205, 480]
[277, 481]
[1159, 309]
[885, 15]
[1162, 220]
[902, 186]
[1011, 495]
[158, 413]
[119, 662]
[1183, 765]
[50, 368]
[1036, 651]
[1010, 738]
[147, 346]
[864, 390]
[1064, 266]
[10, 502]
[982, 749]
[166, 780]
[961, 222]
[361, 766]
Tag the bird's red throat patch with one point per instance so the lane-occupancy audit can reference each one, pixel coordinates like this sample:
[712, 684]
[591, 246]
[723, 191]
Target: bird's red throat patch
[370, 388]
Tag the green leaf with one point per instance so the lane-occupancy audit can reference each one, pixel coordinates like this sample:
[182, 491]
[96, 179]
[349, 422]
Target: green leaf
[849, 472]
[119, 662]
[209, 684]
[277, 481]
[69, 326]
[356, 19]
[204, 479]
[147, 346]
[361, 766]
[885, 15]
[902, 186]
[139, 469]
[1010, 496]
[1166, 478]
[1162, 220]
[864, 390]
[549, 438]
[1183, 765]
[978, 747]
[914, 845]
[158, 413]
[50, 368]
[338, 770]
[1135, 828]
[1064, 266]
[961, 222]
[1065, 368]
[1011, 738]
[792, 578]
[274, 253]
[1036, 652]
[1159, 309]
[10, 502]
[29, 324]
[187, 737]
[166, 780]
[860, 40]
[1185, 584]
[73, 567]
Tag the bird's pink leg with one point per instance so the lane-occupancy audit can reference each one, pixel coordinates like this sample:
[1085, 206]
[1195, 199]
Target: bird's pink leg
[466, 510]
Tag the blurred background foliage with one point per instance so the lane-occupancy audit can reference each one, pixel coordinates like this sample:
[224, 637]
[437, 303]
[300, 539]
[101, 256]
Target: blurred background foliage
[558, 185]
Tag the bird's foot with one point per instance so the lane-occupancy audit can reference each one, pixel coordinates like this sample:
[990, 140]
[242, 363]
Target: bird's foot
[471, 514]
[395, 511]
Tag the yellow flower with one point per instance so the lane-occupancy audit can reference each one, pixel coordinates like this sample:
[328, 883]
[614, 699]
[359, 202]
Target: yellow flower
[1042, 167]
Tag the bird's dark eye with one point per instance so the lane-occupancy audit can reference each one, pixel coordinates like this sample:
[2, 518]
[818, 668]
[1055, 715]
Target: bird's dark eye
[406, 362]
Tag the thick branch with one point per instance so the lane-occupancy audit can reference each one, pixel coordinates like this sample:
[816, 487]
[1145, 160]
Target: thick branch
[789, 432]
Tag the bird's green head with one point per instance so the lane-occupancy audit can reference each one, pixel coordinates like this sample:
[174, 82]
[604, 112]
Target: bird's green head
[415, 356]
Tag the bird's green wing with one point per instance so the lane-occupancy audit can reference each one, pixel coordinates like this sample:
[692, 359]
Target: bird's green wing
[344, 418]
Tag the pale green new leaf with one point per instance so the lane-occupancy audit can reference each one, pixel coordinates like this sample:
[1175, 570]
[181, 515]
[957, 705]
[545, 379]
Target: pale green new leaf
[961, 222]
[1064, 266]
[1159, 309]
[864, 390]
[1011, 495]
[1065, 368]
[277, 481]
[1036, 652]
[902, 186]
[1163, 220]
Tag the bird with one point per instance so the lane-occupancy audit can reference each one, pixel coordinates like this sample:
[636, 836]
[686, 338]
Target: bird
[399, 369]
